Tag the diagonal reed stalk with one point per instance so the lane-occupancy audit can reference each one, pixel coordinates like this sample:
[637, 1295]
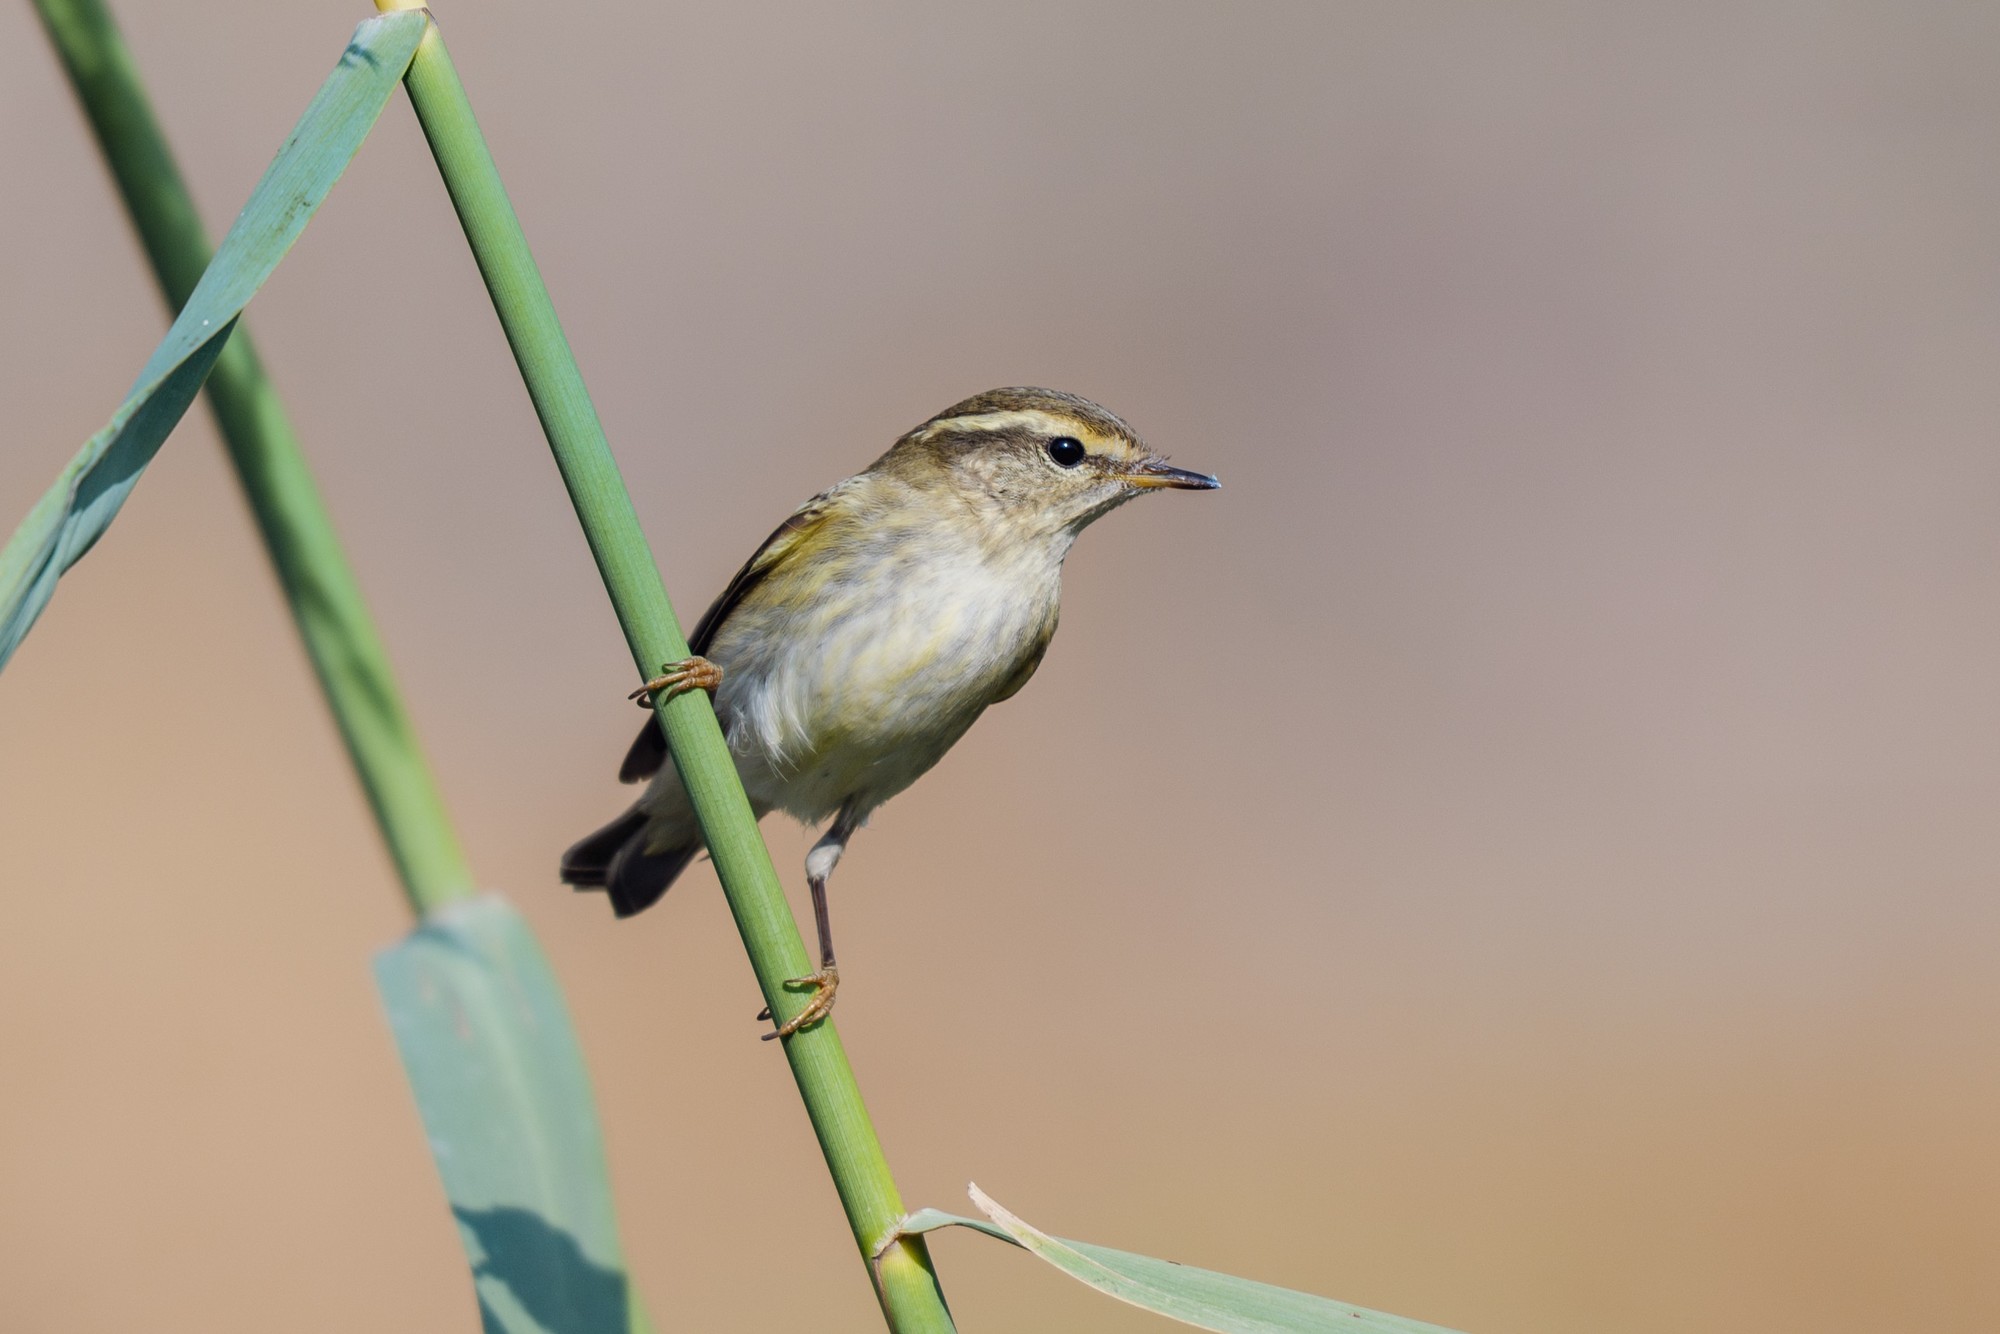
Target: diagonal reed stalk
[485, 1038]
[905, 1282]
[318, 583]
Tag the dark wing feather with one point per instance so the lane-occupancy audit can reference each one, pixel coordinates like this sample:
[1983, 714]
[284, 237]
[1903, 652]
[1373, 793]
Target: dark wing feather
[649, 749]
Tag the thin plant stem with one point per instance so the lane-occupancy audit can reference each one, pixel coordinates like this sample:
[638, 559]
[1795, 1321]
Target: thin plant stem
[904, 1280]
[319, 585]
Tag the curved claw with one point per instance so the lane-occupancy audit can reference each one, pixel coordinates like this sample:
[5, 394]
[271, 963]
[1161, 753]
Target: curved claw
[824, 984]
[677, 678]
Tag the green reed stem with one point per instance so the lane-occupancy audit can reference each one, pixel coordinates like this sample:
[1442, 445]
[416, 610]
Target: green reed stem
[298, 533]
[905, 1282]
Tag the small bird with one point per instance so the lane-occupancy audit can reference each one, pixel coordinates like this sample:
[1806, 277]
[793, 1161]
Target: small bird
[873, 627]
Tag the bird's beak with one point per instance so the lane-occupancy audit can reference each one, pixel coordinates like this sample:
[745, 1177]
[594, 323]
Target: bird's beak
[1158, 472]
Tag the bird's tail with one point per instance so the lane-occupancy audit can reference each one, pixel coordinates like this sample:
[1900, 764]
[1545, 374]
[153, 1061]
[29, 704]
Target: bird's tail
[615, 859]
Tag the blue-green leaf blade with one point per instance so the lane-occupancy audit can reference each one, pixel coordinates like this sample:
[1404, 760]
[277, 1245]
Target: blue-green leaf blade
[1198, 1297]
[507, 1107]
[87, 495]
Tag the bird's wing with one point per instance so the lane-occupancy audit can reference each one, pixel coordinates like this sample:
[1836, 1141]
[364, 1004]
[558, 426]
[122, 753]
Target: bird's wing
[649, 750]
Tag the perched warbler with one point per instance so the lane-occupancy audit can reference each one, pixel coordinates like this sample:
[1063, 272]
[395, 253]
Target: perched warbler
[866, 634]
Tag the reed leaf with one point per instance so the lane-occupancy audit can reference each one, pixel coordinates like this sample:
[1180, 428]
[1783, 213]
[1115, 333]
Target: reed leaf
[507, 1107]
[479, 1021]
[326, 603]
[86, 497]
[1198, 1297]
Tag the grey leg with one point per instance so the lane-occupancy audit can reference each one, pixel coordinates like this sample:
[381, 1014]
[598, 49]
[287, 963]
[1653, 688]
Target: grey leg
[820, 862]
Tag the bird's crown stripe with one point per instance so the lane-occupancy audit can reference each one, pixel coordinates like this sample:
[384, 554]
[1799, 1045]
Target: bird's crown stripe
[1012, 419]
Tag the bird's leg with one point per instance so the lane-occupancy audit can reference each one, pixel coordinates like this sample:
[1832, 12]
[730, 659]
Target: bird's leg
[819, 869]
[675, 678]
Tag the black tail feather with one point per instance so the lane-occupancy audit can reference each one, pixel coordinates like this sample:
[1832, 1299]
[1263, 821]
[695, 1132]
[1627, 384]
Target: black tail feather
[638, 878]
[615, 859]
[586, 864]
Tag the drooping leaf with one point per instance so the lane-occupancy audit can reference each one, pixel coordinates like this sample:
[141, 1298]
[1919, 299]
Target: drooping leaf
[506, 1104]
[74, 512]
[1198, 1297]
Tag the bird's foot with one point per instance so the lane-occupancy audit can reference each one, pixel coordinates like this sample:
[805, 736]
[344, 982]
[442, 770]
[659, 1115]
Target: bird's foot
[824, 983]
[677, 678]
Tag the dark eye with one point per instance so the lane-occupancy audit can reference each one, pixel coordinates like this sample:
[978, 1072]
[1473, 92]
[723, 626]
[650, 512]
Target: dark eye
[1066, 451]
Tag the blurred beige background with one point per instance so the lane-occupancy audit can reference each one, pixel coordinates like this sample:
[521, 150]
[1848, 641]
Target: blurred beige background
[1560, 769]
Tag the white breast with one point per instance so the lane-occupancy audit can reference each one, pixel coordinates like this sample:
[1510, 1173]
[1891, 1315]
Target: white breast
[855, 697]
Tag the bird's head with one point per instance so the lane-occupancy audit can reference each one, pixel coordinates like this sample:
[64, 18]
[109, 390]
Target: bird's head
[1036, 459]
